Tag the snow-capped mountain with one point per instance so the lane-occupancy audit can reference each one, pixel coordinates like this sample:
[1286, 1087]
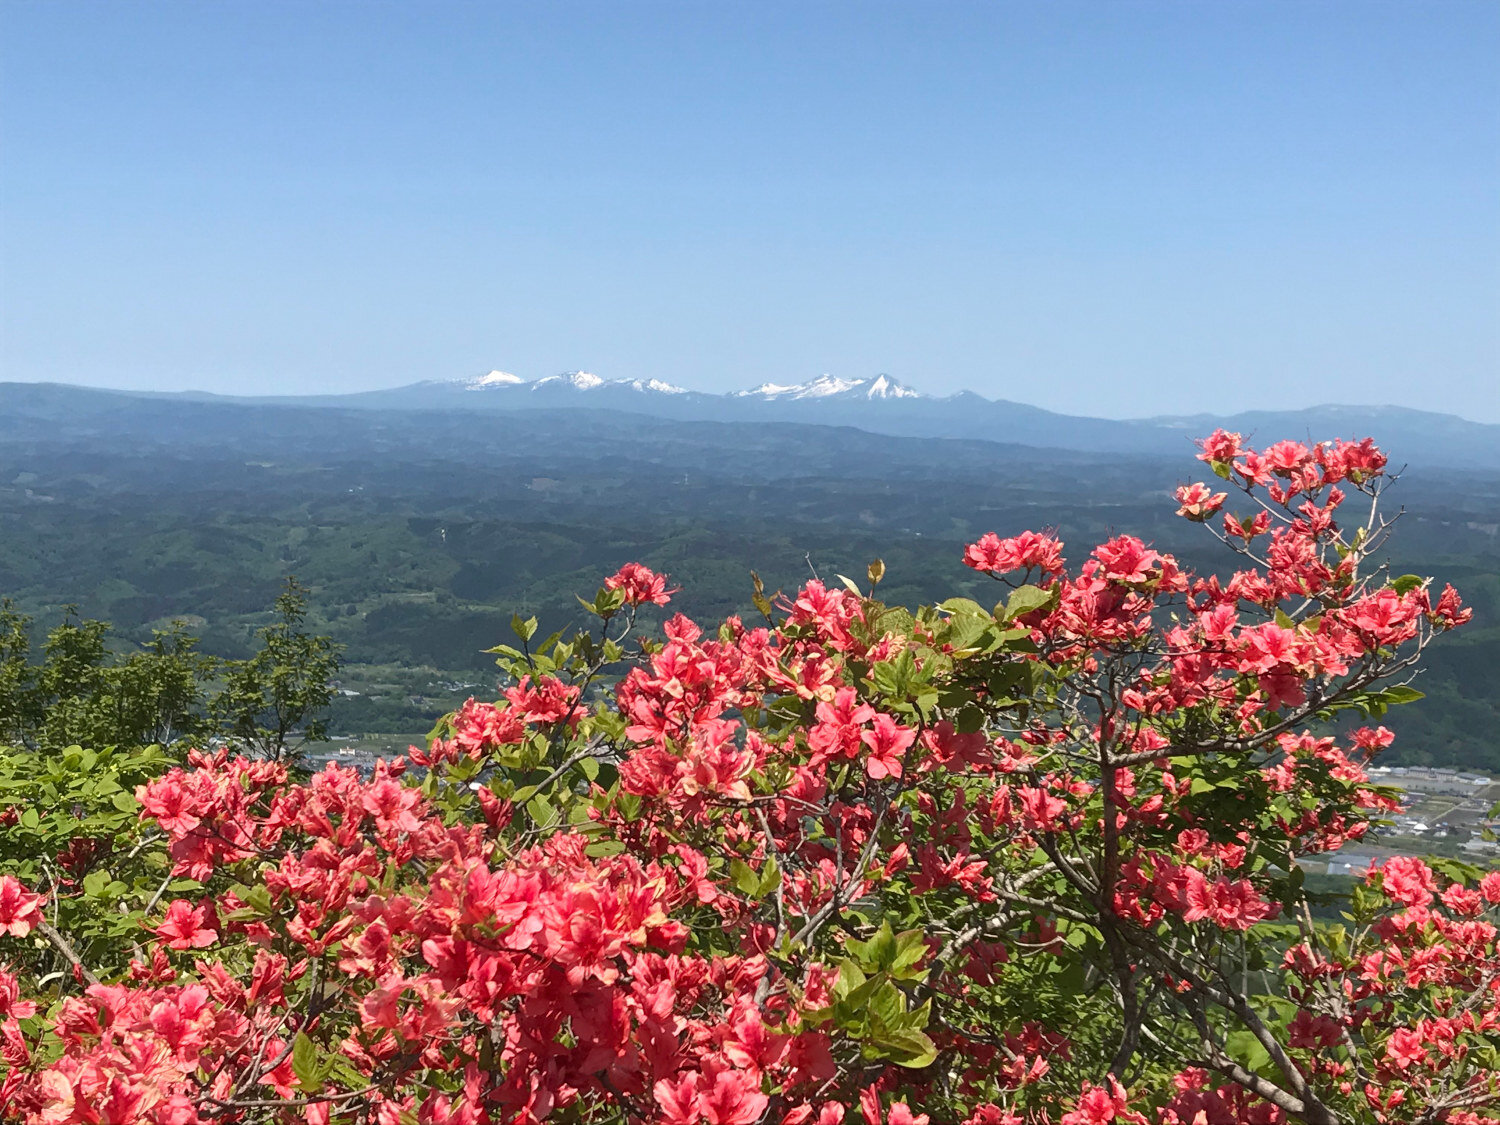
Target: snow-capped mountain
[827, 386]
[578, 380]
[882, 404]
[823, 387]
[568, 380]
[493, 379]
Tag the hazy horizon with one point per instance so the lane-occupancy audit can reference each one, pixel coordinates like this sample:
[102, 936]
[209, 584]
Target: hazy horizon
[316, 393]
[1113, 210]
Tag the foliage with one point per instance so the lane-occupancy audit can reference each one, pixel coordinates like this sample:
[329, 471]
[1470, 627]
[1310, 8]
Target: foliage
[165, 691]
[86, 727]
[80, 694]
[70, 827]
[1030, 861]
[273, 702]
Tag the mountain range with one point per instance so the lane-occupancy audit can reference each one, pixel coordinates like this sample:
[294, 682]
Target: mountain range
[880, 404]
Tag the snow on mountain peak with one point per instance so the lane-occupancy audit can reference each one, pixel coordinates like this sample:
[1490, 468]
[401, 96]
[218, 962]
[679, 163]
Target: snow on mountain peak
[825, 386]
[828, 386]
[884, 386]
[821, 387]
[766, 390]
[494, 379]
[578, 380]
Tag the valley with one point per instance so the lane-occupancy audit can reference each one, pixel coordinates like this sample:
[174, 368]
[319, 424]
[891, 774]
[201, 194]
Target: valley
[421, 531]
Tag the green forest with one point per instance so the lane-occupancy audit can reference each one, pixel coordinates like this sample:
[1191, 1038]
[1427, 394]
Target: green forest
[419, 535]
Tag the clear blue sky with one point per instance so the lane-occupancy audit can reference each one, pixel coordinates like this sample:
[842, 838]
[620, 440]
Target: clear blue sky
[1112, 208]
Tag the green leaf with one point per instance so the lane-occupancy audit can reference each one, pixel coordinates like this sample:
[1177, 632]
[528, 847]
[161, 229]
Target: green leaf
[608, 602]
[1401, 693]
[95, 882]
[1456, 869]
[629, 805]
[125, 802]
[895, 620]
[1027, 599]
[850, 978]
[1246, 1050]
[346, 1073]
[305, 1063]
[966, 631]
[525, 629]
[770, 877]
[744, 877]
[541, 811]
[1364, 902]
[965, 607]
[911, 1048]
[1406, 583]
[258, 898]
[877, 954]
[911, 947]
[887, 1006]
[762, 603]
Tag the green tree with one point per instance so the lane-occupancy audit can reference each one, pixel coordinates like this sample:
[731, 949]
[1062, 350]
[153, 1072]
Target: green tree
[81, 693]
[70, 678]
[154, 696]
[18, 713]
[273, 702]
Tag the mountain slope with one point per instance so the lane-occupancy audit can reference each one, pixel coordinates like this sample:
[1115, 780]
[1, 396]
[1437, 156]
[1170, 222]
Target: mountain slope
[882, 405]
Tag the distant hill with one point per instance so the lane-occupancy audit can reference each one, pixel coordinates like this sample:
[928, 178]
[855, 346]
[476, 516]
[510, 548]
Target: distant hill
[880, 405]
[423, 517]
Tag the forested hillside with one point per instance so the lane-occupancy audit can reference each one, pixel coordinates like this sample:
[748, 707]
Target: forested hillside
[421, 533]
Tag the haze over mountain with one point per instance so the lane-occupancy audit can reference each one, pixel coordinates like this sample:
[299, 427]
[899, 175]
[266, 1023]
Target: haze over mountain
[879, 404]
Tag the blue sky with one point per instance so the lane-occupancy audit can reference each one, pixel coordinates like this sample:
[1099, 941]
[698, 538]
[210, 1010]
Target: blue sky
[1111, 208]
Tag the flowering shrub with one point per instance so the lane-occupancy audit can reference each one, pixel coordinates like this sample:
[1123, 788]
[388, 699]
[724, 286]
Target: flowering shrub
[1028, 863]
